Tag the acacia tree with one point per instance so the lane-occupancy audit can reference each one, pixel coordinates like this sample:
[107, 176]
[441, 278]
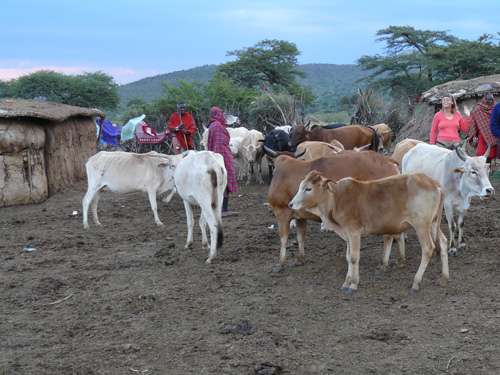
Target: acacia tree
[405, 66]
[270, 61]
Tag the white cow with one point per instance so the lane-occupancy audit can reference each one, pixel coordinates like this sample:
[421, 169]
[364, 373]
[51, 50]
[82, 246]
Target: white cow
[286, 128]
[250, 151]
[200, 180]
[125, 172]
[462, 177]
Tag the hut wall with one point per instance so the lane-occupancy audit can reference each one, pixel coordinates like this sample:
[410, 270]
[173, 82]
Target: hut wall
[22, 163]
[68, 146]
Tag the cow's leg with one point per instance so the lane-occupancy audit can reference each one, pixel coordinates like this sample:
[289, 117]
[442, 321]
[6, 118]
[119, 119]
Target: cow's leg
[190, 223]
[448, 211]
[355, 244]
[283, 216]
[93, 207]
[213, 224]
[86, 201]
[169, 197]
[402, 250]
[445, 271]
[460, 222]
[348, 276]
[427, 245]
[260, 174]
[152, 202]
[203, 227]
[301, 236]
[388, 240]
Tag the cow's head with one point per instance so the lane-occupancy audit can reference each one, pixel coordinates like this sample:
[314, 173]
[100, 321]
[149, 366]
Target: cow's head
[313, 190]
[167, 168]
[298, 135]
[277, 140]
[473, 174]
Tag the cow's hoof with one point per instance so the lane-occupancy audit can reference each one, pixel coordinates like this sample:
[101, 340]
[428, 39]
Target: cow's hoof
[443, 281]
[384, 267]
[204, 245]
[277, 268]
[413, 291]
[188, 245]
[347, 290]
[98, 224]
[209, 261]
[159, 223]
[452, 252]
[401, 264]
[462, 245]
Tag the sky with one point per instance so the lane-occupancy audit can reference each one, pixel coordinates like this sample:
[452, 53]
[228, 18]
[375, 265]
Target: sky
[135, 39]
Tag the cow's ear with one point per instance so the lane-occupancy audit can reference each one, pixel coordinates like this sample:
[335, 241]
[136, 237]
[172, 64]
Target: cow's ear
[330, 186]
[459, 170]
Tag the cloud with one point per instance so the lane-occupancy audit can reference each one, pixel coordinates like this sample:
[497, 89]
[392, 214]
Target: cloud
[291, 21]
[120, 74]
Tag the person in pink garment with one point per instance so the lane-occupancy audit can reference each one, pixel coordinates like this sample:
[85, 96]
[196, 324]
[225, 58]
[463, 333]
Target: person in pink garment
[447, 124]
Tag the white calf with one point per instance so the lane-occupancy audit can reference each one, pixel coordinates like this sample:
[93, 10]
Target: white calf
[200, 179]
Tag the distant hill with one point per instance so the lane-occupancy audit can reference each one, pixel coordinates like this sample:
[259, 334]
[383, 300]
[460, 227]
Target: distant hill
[329, 82]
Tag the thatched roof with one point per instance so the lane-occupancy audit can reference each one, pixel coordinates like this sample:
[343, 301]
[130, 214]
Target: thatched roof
[43, 110]
[463, 89]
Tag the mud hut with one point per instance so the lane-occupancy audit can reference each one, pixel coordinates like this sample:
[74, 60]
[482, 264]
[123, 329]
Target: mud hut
[43, 148]
[466, 92]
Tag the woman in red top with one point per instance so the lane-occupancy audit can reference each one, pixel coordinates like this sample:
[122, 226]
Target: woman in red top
[446, 124]
[218, 141]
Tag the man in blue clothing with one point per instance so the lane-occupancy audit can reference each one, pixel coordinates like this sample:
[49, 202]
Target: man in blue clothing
[495, 126]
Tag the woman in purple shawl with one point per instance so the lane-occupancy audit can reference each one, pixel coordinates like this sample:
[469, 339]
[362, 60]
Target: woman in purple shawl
[218, 141]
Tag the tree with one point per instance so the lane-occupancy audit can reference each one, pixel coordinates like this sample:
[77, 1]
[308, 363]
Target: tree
[272, 62]
[416, 60]
[405, 67]
[465, 59]
[86, 90]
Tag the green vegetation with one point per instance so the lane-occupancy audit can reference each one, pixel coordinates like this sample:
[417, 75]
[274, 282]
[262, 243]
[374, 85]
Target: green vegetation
[416, 60]
[85, 90]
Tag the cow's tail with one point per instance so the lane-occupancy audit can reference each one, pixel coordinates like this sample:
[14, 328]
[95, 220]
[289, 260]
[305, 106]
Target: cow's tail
[215, 209]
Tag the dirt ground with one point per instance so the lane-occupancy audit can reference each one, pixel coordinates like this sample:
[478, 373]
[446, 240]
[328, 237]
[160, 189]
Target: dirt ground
[127, 298]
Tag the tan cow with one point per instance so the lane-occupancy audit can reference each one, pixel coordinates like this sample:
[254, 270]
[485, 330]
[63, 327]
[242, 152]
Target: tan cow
[389, 205]
[386, 134]
[289, 172]
[402, 148]
[310, 150]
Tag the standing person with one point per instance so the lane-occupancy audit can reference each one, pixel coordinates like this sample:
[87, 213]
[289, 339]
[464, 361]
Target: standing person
[183, 125]
[495, 127]
[480, 126]
[446, 124]
[218, 141]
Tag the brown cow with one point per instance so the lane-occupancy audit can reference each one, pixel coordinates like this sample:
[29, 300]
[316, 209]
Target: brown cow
[402, 148]
[289, 172]
[350, 136]
[390, 205]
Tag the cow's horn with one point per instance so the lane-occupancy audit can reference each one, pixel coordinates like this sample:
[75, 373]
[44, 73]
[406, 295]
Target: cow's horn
[487, 153]
[460, 153]
[270, 152]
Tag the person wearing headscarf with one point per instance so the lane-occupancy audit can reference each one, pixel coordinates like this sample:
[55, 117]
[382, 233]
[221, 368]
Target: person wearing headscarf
[183, 125]
[480, 126]
[218, 141]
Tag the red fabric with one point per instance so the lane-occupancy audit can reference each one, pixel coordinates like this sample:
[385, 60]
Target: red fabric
[481, 147]
[189, 125]
[480, 123]
[218, 141]
[446, 130]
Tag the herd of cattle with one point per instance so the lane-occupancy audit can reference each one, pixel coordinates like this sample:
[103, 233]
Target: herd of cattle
[340, 177]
